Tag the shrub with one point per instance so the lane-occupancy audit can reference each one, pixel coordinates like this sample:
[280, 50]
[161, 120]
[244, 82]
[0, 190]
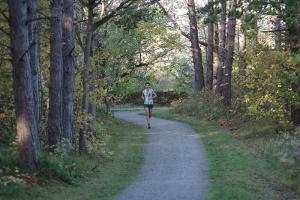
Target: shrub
[204, 105]
[60, 167]
[11, 177]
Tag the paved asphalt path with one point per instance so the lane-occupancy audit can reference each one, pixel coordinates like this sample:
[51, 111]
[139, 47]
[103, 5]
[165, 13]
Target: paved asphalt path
[175, 166]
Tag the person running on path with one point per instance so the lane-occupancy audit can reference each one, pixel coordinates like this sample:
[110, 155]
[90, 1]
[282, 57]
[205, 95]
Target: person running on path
[148, 95]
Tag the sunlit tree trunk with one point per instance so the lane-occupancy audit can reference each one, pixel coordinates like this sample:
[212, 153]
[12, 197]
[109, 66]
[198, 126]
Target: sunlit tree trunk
[56, 74]
[27, 128]
[222, 50]
[196, 51]
[69, 71]
[210, 49]
[278, 34]
[229, 53]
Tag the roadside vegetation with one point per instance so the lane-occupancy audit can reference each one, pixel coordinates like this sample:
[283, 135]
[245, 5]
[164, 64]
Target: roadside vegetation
[249, 159]
[118, 150]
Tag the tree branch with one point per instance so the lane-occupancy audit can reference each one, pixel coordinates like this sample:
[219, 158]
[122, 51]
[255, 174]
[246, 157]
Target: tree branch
[27, 50]
[38, 18]
[124, 74]
[4, 31]
[278, 30]
[78, 38]
[113, 13]
[4, 15]
[5, 46]
[176, 25]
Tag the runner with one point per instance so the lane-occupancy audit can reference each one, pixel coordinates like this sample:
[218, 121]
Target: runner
[148, 95]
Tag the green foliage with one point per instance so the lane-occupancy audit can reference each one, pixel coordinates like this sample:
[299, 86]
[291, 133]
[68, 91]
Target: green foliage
[11, 177]
[267, 86]
[7, 115]
[204, 105]
[285, 147]
[97, 142]
[62, 167]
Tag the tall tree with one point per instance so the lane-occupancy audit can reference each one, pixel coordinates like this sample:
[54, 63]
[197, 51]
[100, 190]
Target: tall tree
[27, 128]
[229, 53]
[56, 74]
[34, 56]
[292, 19]
[278, 34]
[87, 54]
[196, 51]
[242, 51]
[68, 70]
[222, 50]
[210, 47]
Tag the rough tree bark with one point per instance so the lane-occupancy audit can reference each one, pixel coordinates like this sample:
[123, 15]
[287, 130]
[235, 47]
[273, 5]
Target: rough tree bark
[242, 52]
[278, 35]
[27, 128]
[56, 74]
[229, 53]
[222, 50]
[85, 100]
[294, 45]
[68, 71]
[210, 49]
[34, 56]
[196, 51]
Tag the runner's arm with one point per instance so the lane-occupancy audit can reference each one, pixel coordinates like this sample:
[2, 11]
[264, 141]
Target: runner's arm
[142, 96]
[154, 95]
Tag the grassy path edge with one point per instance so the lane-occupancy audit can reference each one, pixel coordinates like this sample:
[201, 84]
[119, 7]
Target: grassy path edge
[234, 173]
[104, 177]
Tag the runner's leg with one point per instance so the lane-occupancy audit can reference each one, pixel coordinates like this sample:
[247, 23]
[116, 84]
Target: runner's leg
[150, 113]
[147, 114]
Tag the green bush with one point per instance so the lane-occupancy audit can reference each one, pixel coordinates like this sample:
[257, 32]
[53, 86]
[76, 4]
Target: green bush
[204, 105]
[11, 177]
[60, 167]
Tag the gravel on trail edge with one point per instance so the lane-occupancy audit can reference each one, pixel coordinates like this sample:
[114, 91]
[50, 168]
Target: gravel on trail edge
[175, 166]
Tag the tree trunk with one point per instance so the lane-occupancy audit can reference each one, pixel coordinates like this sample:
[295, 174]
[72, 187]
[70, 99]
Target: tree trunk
[56, 74]
[34, 57]
[229, 53]
[278, 35]
[242, 53]
[69, 71]
[210, 50]
[93, 107]
[255, 39]
[222, 50]
[197, 54]
[294, 44]
[27, 128]
[85, 100]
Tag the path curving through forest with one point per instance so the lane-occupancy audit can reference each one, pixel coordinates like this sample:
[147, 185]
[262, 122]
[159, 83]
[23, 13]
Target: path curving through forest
[175, 166]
